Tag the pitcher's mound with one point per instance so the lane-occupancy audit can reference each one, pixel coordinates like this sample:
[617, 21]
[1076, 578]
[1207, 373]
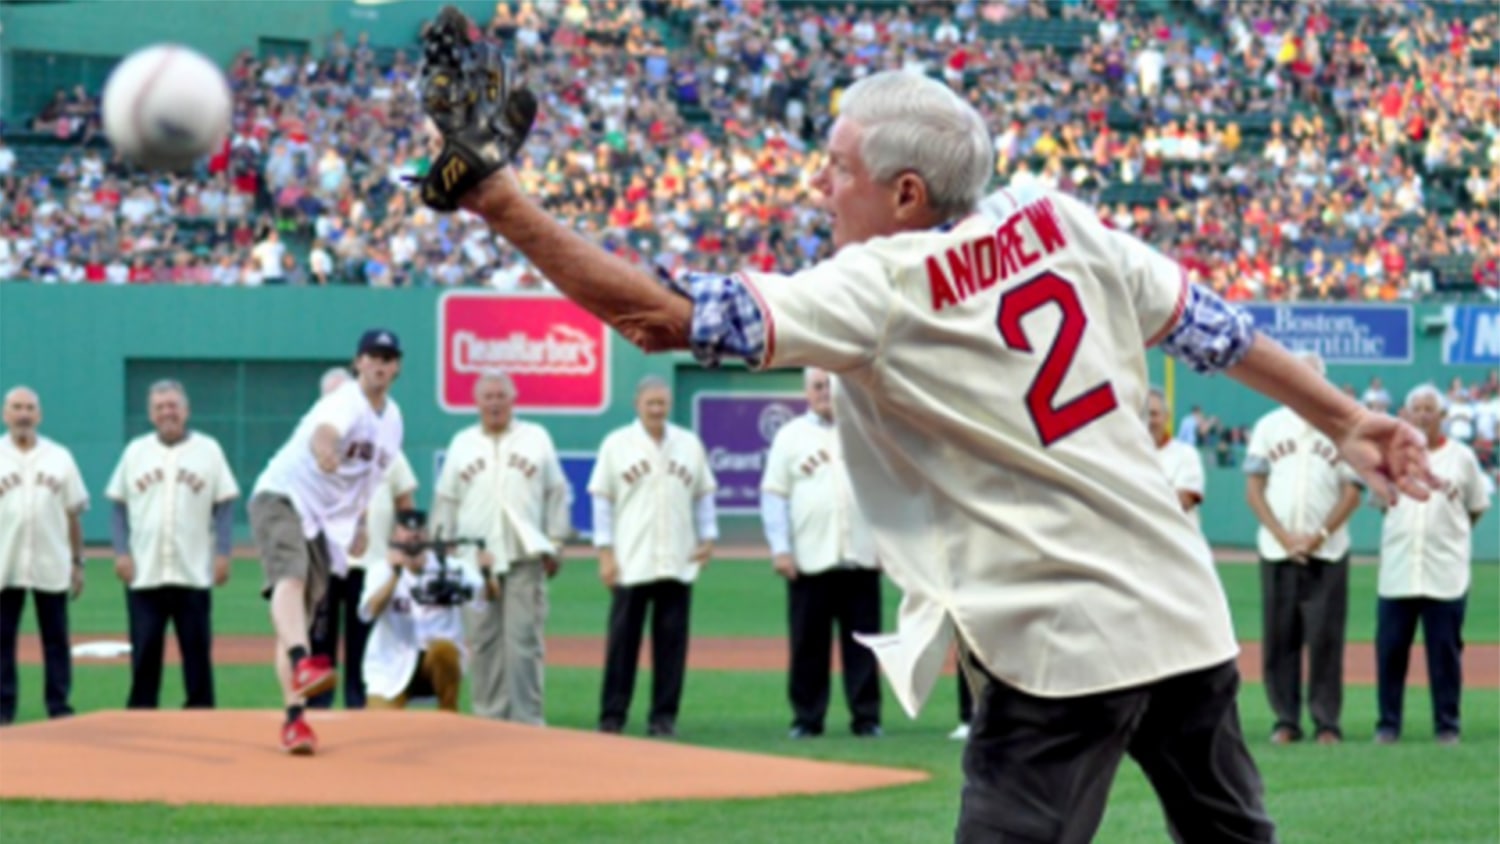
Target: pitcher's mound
[387, 759]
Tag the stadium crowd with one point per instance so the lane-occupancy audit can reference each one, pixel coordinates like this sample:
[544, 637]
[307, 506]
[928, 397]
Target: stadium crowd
[1279, 150]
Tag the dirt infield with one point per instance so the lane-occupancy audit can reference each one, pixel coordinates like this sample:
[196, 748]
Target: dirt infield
[369, 758]
[1481, 662]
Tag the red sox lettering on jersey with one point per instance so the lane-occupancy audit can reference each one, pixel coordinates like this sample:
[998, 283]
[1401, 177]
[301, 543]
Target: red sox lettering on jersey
[146, 480]
[1287, 448]
[52, 483]
[642, 468]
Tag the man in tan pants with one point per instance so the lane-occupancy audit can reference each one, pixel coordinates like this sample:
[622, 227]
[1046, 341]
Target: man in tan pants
[502, 482]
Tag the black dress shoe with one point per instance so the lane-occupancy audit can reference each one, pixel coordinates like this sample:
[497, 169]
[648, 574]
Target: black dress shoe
[612, 727]
[662, 729]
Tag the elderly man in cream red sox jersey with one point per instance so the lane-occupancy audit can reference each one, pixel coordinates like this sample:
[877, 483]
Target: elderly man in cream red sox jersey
[41, 548]
[654, 525]
[502, 482]
[1426, 550]
[990, 365]
[308, 509]
[821, 544]
[1179, 460]
[172, 526]
[1303, 494]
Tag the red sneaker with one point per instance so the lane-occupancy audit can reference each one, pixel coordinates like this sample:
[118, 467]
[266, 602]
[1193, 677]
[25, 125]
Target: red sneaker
[297, 738]
[313, 676]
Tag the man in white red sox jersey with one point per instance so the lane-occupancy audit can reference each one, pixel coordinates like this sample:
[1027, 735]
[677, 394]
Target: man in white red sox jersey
[1302, 493]
[990, 361]
[1425, 555]
[1180, 461]
[41, 548]
[821, 544]
[307, 512]
[655, 526]
[172, 526]
[502, 482]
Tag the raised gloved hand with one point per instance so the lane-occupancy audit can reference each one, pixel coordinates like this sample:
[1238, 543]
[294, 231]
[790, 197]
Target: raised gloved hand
[466, 92]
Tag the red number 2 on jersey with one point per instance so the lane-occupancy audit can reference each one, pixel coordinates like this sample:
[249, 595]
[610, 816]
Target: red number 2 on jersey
[1053, 422]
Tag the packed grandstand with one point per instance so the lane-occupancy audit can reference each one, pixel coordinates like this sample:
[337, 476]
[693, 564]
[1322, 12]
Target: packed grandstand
[1280, 150]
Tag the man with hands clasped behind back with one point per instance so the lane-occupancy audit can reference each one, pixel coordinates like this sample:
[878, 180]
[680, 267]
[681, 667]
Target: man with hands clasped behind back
[173, 523]
[821, 544]
[412, 602]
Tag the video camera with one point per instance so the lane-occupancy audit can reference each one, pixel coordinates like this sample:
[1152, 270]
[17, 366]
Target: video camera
[444, 588]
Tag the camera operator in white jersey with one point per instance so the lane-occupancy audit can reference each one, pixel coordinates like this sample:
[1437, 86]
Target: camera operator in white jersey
[416, 647]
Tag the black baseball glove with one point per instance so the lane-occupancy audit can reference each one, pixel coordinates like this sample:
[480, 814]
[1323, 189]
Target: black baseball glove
[466, 91]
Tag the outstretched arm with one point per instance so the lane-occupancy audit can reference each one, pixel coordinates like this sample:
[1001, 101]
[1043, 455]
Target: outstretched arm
[1389, 454]
[607, 286]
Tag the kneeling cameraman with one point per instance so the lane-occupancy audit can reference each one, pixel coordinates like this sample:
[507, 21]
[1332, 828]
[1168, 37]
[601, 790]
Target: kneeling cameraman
[415, 647]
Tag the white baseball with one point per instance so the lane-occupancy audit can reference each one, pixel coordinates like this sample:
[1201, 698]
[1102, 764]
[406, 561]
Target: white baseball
[166, 106]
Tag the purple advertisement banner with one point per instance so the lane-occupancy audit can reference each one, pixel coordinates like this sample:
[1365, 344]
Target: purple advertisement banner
[737, 429]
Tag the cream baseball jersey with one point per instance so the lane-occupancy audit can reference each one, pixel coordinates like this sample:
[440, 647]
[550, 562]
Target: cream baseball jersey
[39, 487]
[331, 502]
[653, 489]
[987, 376]
[1305, 479]
[169, 492]
[1425, 545]
[508, 489]
[1184, 469]
[806, 467]
[380, 515]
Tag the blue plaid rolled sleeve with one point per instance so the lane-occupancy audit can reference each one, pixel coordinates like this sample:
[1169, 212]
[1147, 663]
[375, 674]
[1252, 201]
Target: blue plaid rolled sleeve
[727, 319]
[1212, 334]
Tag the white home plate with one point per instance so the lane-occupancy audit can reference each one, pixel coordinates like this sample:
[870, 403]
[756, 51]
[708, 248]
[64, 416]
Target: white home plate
[101, 650]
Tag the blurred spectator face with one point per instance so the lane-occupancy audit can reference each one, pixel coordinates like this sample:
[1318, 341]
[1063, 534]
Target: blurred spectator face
[1156, 417]
[1426, 414]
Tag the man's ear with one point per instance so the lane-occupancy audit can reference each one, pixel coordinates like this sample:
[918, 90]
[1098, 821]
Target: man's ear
[911, 193]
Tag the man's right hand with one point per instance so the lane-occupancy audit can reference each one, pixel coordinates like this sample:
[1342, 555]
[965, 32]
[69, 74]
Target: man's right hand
[125, 568]
[785, 566]
[609, 568]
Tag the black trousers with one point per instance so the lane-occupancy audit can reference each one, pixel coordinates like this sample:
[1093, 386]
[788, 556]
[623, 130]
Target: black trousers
[52, 622]
[1305, 605]
[850, 599]
[340, 608]
[670, 603]
[1039, 769]
[1442, 628]
[965, 700]
[191, 613]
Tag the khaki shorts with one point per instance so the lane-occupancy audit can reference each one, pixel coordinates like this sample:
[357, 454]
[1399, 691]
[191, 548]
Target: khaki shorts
[285, 552]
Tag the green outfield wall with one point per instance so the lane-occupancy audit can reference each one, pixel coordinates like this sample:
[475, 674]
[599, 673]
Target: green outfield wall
[250, 360]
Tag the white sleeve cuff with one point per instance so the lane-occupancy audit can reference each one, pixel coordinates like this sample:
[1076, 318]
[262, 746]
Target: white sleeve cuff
[776, 515]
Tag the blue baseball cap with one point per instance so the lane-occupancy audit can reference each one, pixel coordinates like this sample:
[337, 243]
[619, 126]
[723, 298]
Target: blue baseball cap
[379, 341]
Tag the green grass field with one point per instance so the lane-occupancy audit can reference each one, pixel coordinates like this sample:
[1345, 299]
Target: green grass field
[1411, 792]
